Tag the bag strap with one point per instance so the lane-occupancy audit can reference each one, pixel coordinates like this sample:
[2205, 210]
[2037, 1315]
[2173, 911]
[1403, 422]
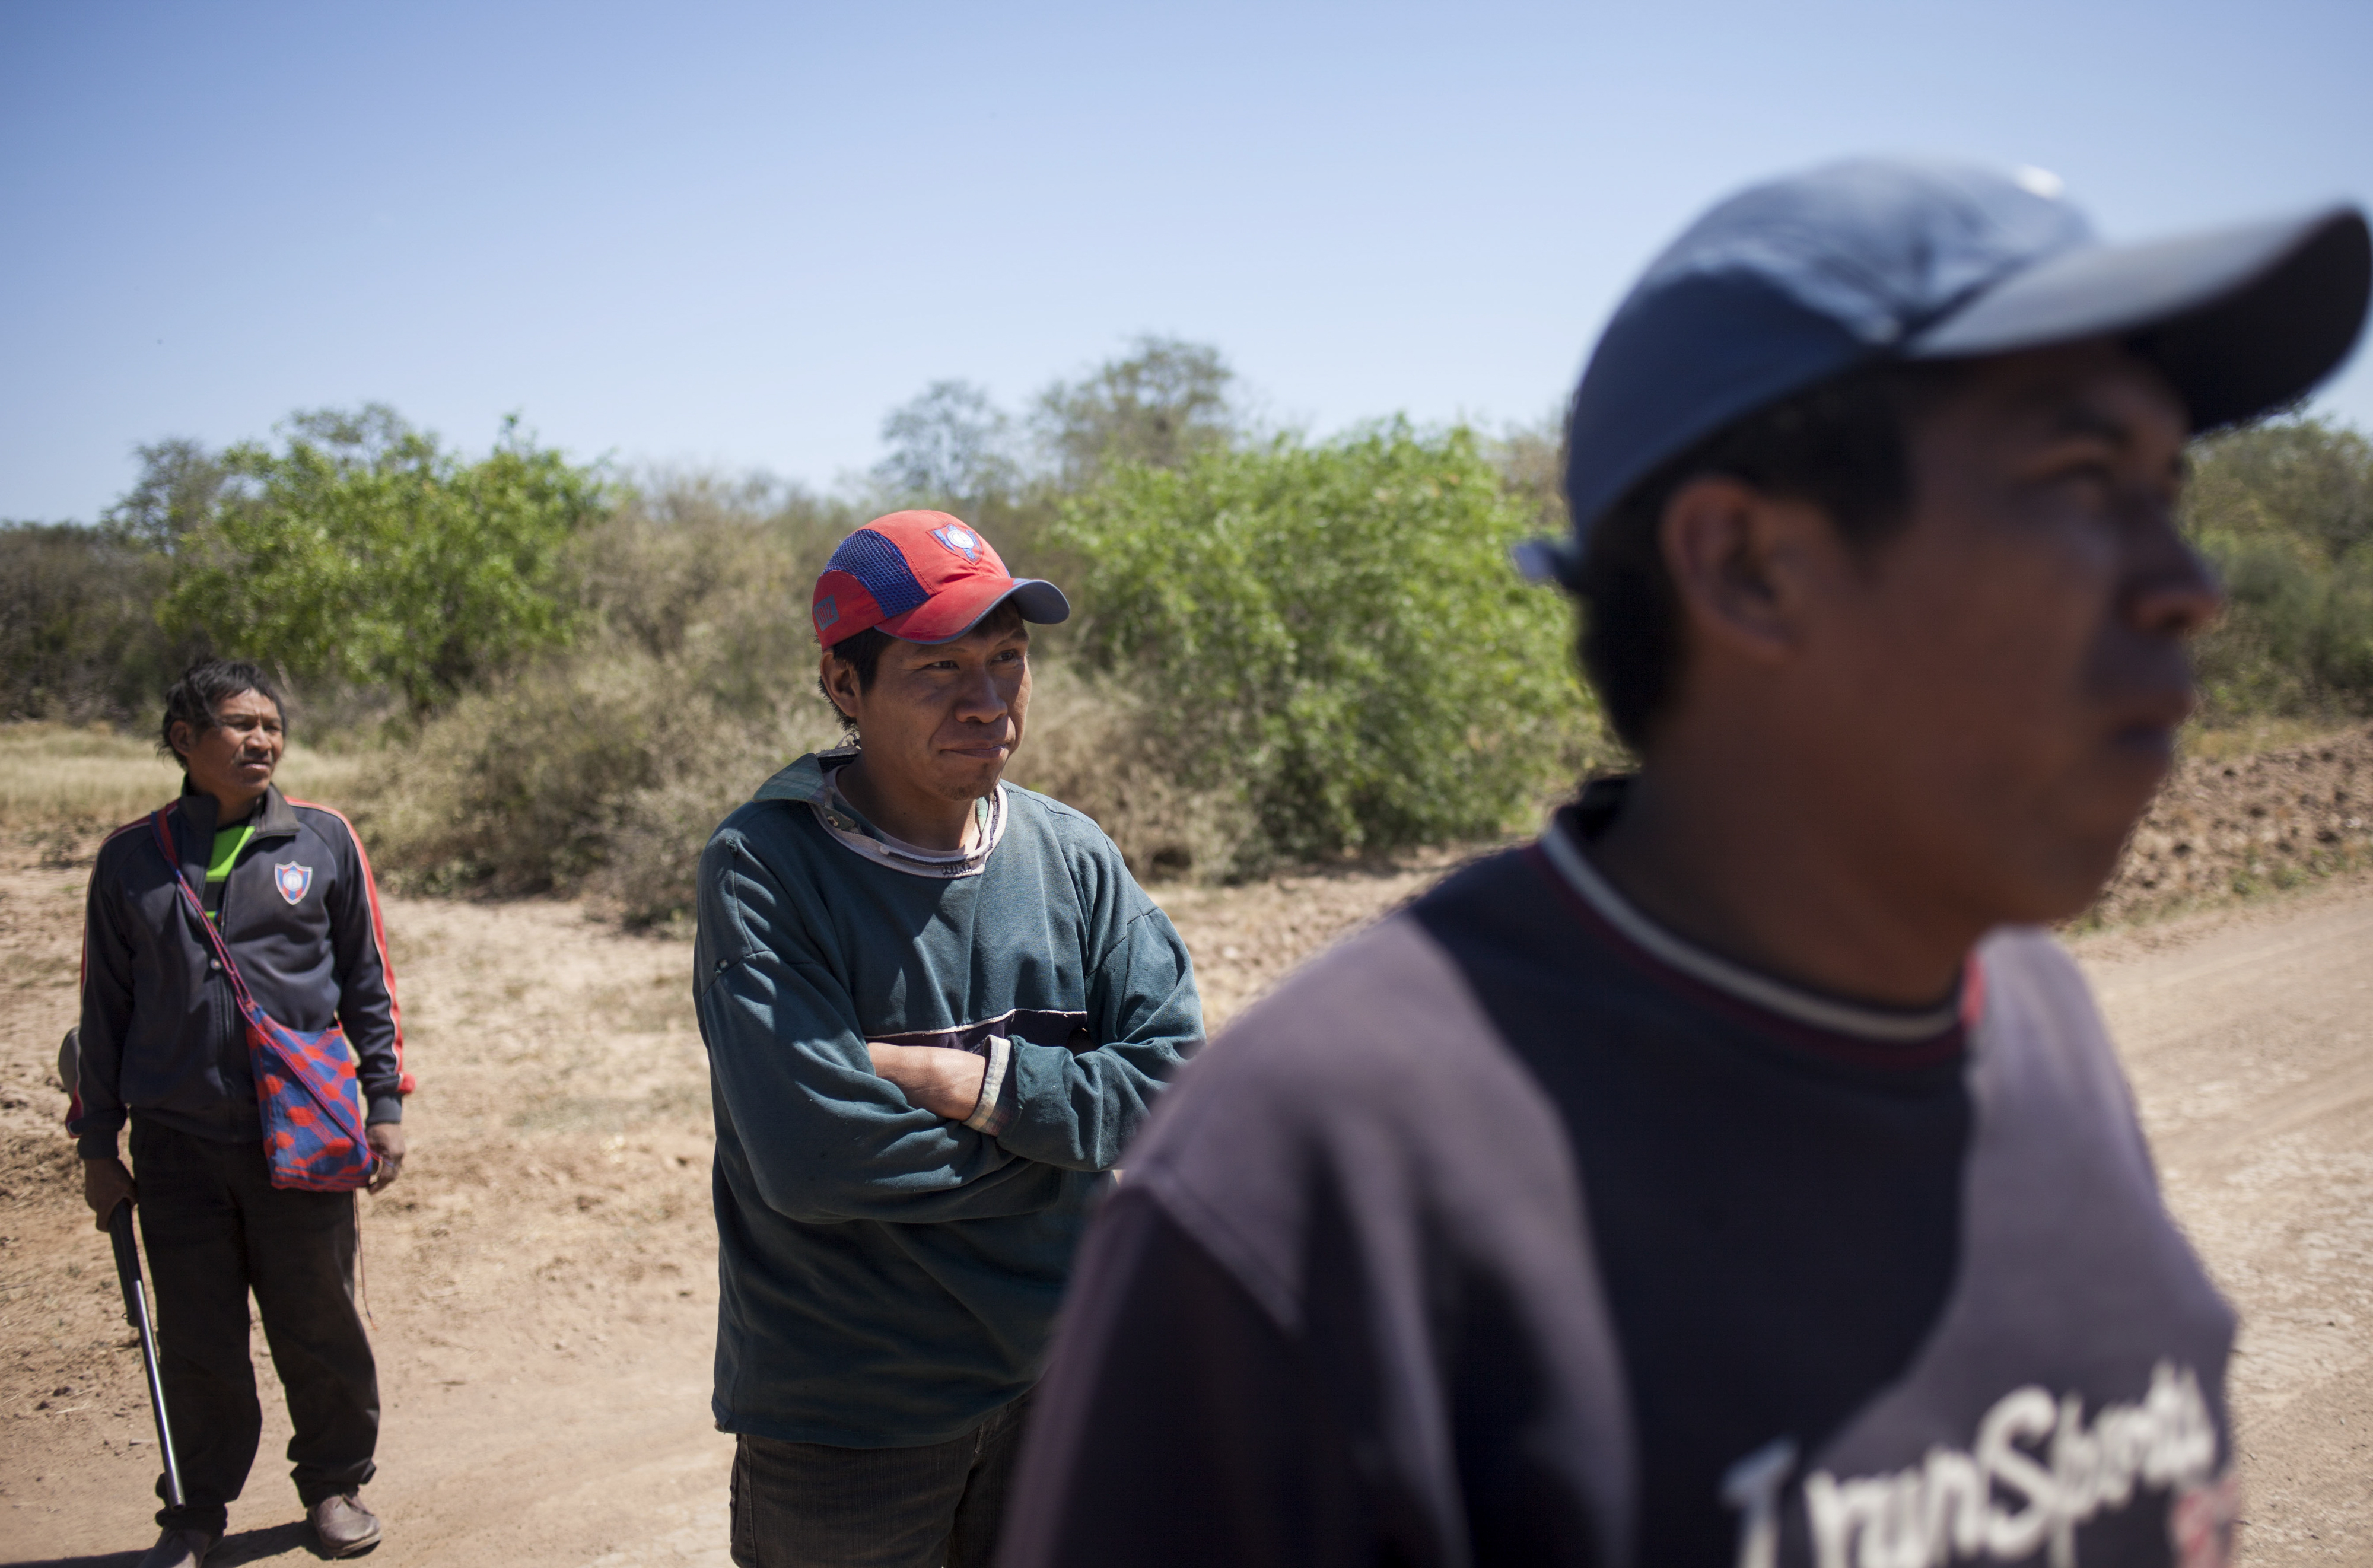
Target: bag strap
[164, 833]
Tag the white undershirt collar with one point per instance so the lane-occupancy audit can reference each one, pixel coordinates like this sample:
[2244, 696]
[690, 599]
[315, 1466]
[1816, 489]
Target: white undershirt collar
[1774, 996]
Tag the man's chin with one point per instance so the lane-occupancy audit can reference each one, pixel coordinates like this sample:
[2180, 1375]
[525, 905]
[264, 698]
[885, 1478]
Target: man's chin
[2122, 798]
[971, 784]
[2143, 754]
[2065, 883]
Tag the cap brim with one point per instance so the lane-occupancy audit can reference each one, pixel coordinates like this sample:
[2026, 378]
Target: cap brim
[956, 609]
[1544, 560]
[2241, 319]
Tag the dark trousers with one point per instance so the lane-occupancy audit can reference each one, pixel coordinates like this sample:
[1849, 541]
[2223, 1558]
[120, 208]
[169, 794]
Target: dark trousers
[814, 1505]
[215, 1228]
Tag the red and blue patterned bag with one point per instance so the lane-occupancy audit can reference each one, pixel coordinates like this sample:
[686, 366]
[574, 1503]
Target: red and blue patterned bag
[305, 1084]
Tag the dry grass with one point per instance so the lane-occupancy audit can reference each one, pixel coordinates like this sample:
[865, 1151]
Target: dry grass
[2251, 808]
[605, 772]
[2239, 738]
[59, 775]
[1089, 745]
[601, 773]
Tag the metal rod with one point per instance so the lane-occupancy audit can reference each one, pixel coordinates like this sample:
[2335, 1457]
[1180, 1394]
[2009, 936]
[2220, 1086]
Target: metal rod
[135, 1309]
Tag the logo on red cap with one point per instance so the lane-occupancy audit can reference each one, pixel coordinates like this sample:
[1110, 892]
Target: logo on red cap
[960, 539]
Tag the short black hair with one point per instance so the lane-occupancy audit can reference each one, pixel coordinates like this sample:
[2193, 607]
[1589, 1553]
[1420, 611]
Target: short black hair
[1840, 445]
[862, 652]
[203, 687]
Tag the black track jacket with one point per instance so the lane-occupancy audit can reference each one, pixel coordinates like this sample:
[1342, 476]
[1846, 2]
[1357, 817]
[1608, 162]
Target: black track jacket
[161, 1033]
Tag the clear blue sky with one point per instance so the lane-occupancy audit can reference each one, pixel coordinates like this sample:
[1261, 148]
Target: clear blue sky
[735, 235]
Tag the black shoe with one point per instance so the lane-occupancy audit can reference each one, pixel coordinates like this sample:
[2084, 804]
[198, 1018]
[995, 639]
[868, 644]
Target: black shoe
[180, 1549]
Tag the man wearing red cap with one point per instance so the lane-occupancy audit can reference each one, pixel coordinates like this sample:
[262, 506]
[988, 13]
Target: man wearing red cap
[936, 1008]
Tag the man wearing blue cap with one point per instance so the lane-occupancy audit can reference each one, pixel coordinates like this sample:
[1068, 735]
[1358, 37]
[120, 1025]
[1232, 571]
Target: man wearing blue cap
[1736, 1175]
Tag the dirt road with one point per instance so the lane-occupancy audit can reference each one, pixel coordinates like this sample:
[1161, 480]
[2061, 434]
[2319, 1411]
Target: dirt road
[542, 1278]
[2248, 1040]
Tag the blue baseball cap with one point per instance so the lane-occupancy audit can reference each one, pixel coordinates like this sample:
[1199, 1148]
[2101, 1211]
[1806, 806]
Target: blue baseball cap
[1789, 284]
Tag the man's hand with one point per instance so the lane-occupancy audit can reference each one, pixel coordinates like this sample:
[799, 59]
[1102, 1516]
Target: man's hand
[387, 1142]
[105, 1183]
[943, 1081]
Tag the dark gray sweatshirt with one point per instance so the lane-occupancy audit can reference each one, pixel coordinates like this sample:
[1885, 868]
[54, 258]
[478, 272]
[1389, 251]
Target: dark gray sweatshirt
[1518, 1231]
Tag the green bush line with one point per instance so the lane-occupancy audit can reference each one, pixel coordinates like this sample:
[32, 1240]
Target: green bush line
[1333, 634]
[1289, 650]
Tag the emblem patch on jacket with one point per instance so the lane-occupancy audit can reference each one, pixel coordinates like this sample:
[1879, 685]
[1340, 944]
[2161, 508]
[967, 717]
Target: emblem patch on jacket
[293, 881]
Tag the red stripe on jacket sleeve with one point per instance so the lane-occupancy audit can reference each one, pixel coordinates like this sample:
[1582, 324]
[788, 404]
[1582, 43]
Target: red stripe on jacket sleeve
[404, 1084]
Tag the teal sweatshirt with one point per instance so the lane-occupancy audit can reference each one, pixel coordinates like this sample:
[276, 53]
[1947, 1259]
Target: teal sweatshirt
[889, 1275]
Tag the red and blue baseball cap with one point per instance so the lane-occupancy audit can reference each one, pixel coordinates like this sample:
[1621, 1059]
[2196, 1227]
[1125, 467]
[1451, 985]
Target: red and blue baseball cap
[922, 577]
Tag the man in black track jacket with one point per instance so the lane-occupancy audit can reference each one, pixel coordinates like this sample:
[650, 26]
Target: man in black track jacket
[161, 1042]
[1737, 1175]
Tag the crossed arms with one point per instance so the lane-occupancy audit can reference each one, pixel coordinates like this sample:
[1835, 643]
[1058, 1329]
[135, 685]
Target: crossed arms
[835, 1127]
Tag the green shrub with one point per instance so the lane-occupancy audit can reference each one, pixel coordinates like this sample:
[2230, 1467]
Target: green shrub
[1092, 743]
[364, 553]
[1333, 635]
[599, 772]
[79, 635]
[603, 768]
[2286, 511]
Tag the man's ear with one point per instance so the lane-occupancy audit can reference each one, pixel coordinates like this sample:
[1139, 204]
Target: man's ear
[1745, 564]
[839, 679]
[180, 739]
